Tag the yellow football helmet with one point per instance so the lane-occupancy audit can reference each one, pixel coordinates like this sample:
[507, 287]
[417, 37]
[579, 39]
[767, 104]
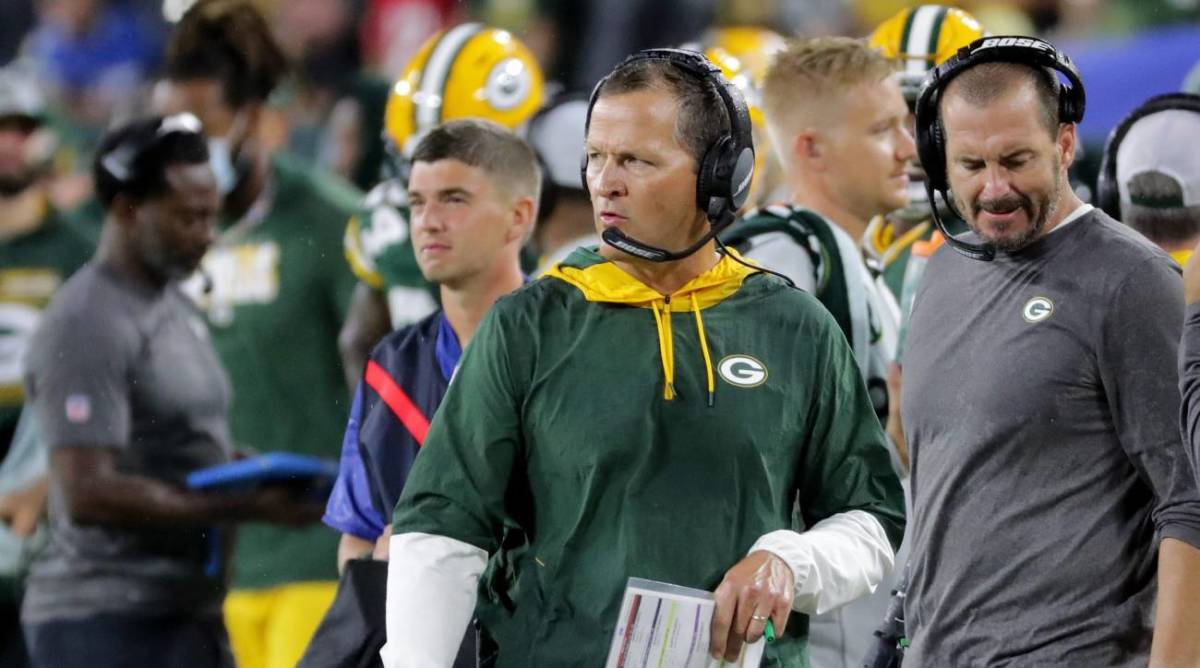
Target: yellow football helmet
[916, 40]
[753, 46]
[468, 71]
[735, 72]
[919, 38]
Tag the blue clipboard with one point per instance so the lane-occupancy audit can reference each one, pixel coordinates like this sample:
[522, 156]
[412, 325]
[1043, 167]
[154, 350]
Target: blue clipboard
[313, 473]
[274, 467]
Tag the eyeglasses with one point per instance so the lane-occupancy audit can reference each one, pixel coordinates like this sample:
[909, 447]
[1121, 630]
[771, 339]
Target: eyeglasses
[120, 159]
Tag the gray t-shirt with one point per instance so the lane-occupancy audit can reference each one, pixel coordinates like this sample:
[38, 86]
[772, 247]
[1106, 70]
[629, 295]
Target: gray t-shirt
[117, 365]
[1041, 407]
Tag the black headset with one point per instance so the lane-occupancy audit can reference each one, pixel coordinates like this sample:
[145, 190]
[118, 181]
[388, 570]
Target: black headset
[1108, 193]
[121, 161]
[931, 145]
[723, 180]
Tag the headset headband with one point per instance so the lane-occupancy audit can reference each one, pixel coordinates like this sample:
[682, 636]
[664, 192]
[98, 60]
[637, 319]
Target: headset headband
[703, 69]
[724, 171]
[120, 161]
[931, 147]
[1108, 193]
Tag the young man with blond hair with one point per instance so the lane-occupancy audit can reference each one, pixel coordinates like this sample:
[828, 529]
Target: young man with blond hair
[839, 125]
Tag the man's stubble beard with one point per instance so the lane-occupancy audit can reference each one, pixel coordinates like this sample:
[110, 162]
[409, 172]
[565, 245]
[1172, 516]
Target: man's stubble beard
[1046, 205]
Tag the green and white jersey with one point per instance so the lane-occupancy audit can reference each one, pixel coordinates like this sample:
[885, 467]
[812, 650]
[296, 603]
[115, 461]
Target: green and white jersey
[824, 261]
[379, 250]
[278, 294]
[632, 434]
[32, 267]
[890, 252]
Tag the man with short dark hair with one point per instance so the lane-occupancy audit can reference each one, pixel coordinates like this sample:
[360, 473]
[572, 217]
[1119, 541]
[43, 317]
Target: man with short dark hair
[1049, 482]
[130, 398]
[473, 191]
[587, 413]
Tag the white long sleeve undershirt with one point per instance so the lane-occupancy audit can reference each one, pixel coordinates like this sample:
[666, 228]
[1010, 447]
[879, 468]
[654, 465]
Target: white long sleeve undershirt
[432, 581]
[430, 598]
[839, 559]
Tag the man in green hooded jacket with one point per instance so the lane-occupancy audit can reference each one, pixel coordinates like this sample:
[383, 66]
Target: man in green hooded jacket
[694, 421]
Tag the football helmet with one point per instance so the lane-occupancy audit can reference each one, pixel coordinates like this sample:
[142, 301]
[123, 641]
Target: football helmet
[753, 46]
[468, 71]
[916, 40]
[919, 38]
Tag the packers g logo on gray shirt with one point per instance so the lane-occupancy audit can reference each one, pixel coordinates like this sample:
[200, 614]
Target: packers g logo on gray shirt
[1037, 309]
[742, 371]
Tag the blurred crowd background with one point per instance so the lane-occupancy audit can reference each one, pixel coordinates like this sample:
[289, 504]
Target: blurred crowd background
[97, 59]
[91, 64]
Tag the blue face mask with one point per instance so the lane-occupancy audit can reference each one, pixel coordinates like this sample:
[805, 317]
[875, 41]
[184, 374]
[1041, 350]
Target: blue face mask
[220, 158]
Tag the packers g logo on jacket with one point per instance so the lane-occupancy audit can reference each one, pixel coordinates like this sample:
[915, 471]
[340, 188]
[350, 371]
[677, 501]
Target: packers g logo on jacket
[742, 371]
[468, 71]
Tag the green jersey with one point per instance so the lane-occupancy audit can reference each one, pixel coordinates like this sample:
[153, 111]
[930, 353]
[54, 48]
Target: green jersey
[278, 291]
[32, 267]
[890, 252]
[632, 435]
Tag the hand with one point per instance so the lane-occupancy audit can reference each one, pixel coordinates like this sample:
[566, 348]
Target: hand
[895, 426]
[761, 585]
[383, 544]
[277, 504]
[1191, 278]
[22, 509]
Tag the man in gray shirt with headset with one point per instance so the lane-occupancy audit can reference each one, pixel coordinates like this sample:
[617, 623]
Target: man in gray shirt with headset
[130, 398]
[1041, 404]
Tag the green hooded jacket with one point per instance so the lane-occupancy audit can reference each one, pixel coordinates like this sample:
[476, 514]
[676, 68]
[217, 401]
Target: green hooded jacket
[634, 435]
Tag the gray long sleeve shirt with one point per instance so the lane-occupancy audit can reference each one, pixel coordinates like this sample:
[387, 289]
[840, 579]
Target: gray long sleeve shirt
[1189, 385]
[1041, 406]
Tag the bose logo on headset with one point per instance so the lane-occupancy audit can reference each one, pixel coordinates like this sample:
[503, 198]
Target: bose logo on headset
[991, 42]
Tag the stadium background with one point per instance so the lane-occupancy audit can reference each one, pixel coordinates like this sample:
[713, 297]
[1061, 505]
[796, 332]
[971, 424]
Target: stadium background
[98, 58]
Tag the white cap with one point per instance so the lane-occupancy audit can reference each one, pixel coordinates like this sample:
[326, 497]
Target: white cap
[557, 134]
[20, 93]
[1163, 142]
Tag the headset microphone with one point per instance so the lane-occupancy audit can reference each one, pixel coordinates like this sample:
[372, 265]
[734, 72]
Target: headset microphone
[623, 242]
[725, 170]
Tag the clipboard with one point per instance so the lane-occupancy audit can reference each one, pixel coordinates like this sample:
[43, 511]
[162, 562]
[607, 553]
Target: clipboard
[667, 625]
[313, 475]
[306, 471]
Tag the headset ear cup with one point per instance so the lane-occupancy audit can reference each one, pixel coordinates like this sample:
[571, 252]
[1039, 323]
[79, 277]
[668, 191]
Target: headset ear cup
[741, 178]
[1066, 105]
[708, 178]
[935, 171]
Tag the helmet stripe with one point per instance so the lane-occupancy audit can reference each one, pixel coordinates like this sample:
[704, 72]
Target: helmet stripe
[902, 47]
[925, 22]
[935, 35]
[436, 73]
